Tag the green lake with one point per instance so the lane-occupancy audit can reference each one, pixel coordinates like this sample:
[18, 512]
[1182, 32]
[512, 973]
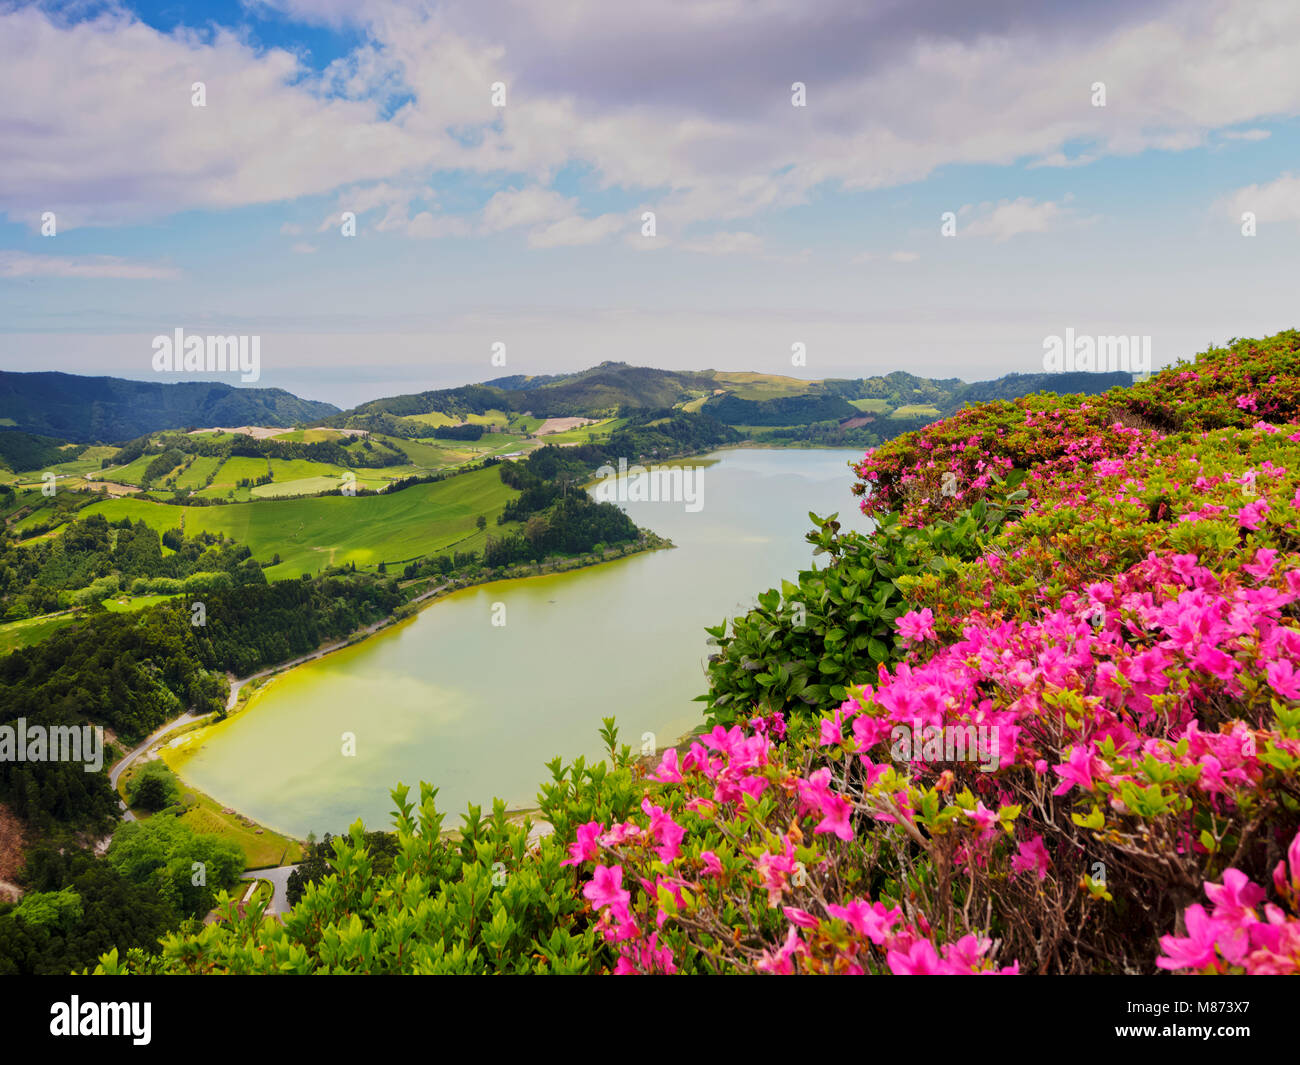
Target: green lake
[477, 709]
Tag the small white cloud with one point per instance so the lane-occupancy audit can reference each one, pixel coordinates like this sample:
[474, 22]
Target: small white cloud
[904, 256]
[1276, 201]
[303, 248]
[1011, 218]
[1060, 159]
[577, 230]
[525, 207]
[21, 264]
[1247, 134]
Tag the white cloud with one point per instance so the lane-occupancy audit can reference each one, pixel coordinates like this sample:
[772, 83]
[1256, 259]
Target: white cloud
[904, 256]
[577, 230]
[20, 264]
[303, 248]
[525, 207]
[1010, 218]
[1276, 201]
[680, 101]
[107, 133]
[1061, 160]
[1246, 134]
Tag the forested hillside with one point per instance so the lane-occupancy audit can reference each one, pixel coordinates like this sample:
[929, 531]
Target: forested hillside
[111, 409]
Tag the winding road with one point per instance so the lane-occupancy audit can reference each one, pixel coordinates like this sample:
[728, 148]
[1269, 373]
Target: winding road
[153, 737]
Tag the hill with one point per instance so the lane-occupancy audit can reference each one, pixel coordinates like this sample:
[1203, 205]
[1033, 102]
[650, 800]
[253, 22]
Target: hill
[90, 410]
[757, 400]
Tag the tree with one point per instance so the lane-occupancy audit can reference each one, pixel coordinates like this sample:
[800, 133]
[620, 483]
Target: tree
[168, 855]
[153, 787]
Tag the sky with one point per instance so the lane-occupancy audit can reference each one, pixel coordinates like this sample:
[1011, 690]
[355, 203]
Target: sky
[1113, 168]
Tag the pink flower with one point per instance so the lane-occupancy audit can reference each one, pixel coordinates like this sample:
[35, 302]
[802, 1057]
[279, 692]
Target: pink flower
[920, 960]
[782, 961]
[815, 793]
[712, 866]
[1031, 857]
[832, 733]
[984, 818]
[668, 772]
[1283, 679]
[869, 919]
[802, 918]
[1250, 516]
[667, 831]
[917, 626]
[1078, 770]
[1234, 902]
[586, 848]
[775, 869]
[606, 889]
[1265, 557]
[1289, 886]
[1196, 951]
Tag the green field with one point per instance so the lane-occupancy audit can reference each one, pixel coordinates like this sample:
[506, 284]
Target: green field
[437, 418]
[41, 506]
[263, 851]
[871, 406]
[761, 386]
[509, 421]
[310, 534]
[131, 473]
[16, 634]
[295, 469]
[586, 433]
[88, 462]
[235, 469]
[124, 604]
[203, 467]
[304, 486]
[433, 454]
[312, 436]
[916, 410]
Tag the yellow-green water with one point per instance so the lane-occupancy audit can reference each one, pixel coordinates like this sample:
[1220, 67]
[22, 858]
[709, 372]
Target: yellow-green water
[477, 708]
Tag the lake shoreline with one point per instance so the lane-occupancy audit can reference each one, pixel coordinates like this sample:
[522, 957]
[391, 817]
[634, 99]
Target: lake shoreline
[723, 543]
[405, 612]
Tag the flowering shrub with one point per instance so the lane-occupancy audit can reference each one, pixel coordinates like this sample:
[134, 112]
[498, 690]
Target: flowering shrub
[1130, 641]
[1234, 938]
[802, 647]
